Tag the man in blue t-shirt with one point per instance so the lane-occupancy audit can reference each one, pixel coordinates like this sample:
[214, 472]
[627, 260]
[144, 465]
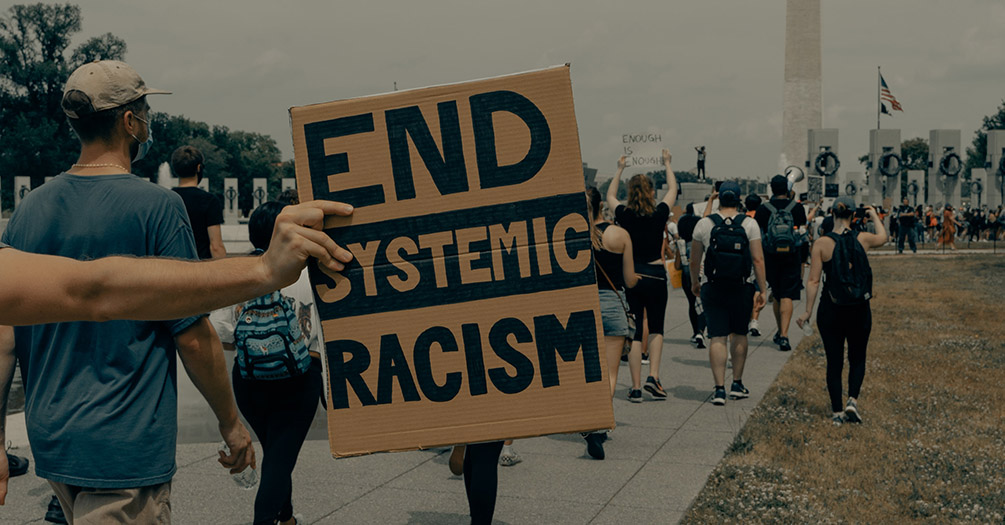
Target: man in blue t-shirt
[92, 388]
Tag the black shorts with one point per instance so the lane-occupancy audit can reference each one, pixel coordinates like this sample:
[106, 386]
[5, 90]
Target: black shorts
[784, 275]
[727, 308]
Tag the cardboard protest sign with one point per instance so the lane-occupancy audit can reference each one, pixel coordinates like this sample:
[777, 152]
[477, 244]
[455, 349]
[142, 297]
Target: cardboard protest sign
[642, 149]
[470, 312]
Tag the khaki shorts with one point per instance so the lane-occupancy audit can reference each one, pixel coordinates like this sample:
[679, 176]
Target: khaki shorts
[85, 505]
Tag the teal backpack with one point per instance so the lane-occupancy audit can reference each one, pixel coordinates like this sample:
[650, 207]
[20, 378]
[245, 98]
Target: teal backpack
[269, 342]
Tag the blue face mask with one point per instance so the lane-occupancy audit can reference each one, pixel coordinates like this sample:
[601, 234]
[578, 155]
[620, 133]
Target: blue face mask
[146, 145]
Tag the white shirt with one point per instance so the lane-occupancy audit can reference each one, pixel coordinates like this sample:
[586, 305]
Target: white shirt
[703, 234]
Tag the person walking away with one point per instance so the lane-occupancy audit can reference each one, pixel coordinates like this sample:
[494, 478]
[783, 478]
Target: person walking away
[127, 370]
[844, 313]
[205, 211]
[277, 372]
[612, 252]
[645, 221]
[730, 244]
[685, 230]
[906, 221]
[778, 219]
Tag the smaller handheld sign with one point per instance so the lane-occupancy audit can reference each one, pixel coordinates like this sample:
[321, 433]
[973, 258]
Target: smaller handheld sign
[470, 312]
[642, 149]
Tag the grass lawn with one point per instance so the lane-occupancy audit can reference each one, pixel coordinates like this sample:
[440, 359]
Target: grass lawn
[932, 445]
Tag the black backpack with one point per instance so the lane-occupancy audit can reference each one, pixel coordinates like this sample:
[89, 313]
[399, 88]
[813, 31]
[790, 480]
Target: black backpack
[780, 236]
[728, 257]
[849, 280]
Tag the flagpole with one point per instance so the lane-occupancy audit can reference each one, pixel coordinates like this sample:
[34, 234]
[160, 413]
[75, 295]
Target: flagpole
[878, 88]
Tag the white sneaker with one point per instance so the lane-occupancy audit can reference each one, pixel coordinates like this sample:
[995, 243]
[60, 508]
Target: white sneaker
[754, 328]
[699, 341]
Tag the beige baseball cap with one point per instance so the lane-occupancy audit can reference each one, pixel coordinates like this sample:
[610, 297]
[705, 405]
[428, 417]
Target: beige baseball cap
[102, 85]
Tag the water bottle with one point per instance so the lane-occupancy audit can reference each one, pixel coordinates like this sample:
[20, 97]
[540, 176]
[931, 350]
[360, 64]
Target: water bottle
[807, 328]
[247, 479]
[697, 306]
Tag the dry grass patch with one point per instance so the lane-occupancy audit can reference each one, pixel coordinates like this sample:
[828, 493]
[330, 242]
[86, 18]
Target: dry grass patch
[932, 447]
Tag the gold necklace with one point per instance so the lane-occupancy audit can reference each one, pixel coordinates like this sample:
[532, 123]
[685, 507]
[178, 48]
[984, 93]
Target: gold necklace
[109, 165]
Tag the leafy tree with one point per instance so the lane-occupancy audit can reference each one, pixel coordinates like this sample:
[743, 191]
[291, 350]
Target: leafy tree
[35, 139]
[978, 150]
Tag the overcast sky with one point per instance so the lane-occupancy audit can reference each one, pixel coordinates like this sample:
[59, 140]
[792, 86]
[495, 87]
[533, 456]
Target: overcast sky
[705, 72]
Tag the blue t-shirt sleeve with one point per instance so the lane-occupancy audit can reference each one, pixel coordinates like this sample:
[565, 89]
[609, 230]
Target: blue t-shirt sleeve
[176, 241]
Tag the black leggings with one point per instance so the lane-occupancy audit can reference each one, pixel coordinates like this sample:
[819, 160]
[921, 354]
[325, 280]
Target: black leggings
[697, 321]
[481, 479]
[836, 324]
[280, 412]
[649, 297]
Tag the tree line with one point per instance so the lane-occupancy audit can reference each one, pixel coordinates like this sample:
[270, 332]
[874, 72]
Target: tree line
[36, 140]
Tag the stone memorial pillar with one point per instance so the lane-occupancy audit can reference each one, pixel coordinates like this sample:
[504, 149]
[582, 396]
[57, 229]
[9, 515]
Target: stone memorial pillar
[22, 186]
[915, 187]
[945, 167]
[994, 181]
[852, 185]
[289, 183]
[230, 210]
[978, 187]
[884, 165]
[204, 184]
[259, 192]
[822, 162]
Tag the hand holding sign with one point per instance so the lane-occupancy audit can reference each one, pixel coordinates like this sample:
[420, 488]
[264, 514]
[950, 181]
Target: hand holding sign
[621, 162]
[298, 236]
[666, 157]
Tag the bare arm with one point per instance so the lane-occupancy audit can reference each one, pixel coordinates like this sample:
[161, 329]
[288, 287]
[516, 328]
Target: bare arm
[201, 354]
[216, 247]
[813, 282]
[612, 190]
[45, 289]
[697, 251]
[873, 240]
[627, 259]
[708, 205]
[671, 197]
[7, 360]
[757, 257]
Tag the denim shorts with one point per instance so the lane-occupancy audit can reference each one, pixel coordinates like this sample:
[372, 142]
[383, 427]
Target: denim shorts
[612, 312]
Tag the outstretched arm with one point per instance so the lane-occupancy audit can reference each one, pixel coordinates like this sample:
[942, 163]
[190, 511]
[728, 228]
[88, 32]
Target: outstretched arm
[671, 197]
[612, 190]
[45, 289]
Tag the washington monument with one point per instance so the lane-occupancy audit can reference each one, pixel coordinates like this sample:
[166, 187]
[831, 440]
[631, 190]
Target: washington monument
[802, 95]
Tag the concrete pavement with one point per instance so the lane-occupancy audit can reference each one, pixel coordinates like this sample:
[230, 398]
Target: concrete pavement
[658, 459]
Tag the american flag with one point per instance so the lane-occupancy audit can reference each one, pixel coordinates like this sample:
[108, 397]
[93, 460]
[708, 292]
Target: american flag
[884, 94]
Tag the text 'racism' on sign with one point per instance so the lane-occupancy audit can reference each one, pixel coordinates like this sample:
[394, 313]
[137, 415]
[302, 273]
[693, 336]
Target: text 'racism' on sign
[470, 312]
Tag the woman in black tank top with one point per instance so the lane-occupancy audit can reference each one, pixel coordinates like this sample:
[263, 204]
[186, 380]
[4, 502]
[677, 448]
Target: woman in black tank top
[838, 323]
[645, 221]
[612, 252]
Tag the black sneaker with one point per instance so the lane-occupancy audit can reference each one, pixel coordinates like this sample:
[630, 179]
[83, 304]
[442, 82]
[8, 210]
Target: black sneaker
[595, 445]
[16, 465]
[738, 391]
[635, 396]
[654, 387]
[719, 397]
[699, 341]
[645, 359]
[54, 514]
[851, 412]
[837, 420]
[783, 344]
[777, 339]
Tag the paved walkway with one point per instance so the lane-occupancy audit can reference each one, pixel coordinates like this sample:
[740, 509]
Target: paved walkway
[658, 459]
